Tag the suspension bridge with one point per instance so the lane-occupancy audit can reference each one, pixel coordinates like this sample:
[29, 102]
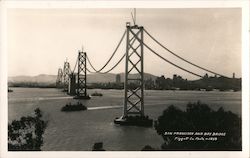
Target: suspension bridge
[74, 81]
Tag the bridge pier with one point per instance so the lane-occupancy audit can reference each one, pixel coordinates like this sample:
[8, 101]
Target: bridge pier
[72, 84]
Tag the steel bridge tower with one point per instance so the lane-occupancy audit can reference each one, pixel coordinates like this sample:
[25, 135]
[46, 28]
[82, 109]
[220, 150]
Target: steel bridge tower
[81, 91]
[133, 111]
[66, 73]
[59, 78]
[134, 86]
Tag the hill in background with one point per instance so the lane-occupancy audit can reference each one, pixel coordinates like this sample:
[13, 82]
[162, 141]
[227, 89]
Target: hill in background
[91, 78]
[108, 81]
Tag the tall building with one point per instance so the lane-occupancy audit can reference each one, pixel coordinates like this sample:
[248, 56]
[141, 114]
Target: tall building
[118, 78]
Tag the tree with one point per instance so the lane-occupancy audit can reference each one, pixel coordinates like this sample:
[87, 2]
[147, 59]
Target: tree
[26, 134]
[199, 117]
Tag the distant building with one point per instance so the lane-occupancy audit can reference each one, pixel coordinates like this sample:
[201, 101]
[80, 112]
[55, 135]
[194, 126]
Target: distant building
[206, 75]
[174, 77]
[118, 78]
[233, 75]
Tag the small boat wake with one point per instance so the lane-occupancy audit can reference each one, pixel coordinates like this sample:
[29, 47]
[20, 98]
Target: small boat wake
[104, 107]
[116, 106]
[38, 98]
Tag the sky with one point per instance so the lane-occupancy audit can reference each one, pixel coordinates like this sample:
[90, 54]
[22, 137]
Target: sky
[40, 40]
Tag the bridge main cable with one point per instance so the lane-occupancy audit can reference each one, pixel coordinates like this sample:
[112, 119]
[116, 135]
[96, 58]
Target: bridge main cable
[171, 62]
[181, 57]
[165, 58]
[110, 56]
[75, 65]
[110, 68]
[132, 39]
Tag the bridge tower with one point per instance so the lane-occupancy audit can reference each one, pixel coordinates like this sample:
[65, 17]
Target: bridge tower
[133, 111]
[81, 88]
[133, 99]
[66, 73]
[59, 78]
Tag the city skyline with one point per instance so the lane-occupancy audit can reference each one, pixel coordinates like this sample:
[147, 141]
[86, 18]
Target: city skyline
[211, 38]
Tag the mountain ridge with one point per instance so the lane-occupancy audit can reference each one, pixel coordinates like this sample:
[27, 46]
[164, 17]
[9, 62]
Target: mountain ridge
[91, 78]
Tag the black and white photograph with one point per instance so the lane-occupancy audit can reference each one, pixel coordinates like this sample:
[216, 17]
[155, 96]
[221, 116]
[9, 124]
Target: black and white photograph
[97, 79]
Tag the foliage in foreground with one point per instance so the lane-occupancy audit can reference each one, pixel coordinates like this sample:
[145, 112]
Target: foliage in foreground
[26, 134]
[199, 117]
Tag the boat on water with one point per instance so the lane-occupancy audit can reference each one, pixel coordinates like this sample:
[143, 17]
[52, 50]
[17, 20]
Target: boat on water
[97, 94]
[74, 107]
[143, 121]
